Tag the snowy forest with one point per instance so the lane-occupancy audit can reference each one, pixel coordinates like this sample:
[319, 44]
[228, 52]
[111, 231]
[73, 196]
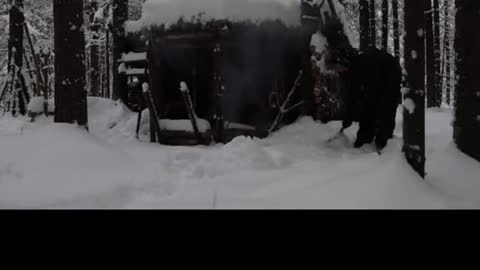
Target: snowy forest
[252, 104]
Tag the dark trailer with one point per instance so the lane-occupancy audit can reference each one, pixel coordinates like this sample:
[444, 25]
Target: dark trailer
[238, 75]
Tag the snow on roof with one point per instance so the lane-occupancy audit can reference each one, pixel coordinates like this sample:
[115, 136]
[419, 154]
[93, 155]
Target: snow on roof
[133, 57]
[158, 12]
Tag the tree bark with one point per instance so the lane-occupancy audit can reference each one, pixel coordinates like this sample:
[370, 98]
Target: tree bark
[396, 29]
[446, 54]
[385, 27]
[19, 91]
[94, 69]
[437, 53]
[70, 92]
[120, 16]
[364, 24]
[432, 91]
[414, 113]
[467, 91]
[373, 24]
[107, 69]
[15, 44]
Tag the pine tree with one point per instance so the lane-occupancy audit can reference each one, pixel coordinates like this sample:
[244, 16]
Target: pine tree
[467, 92]
[414, 114]
[70, 92]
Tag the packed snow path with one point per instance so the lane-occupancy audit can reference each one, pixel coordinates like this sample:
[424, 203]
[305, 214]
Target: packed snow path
[47, 165]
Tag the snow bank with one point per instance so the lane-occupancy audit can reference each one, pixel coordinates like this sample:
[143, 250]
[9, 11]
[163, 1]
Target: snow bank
[58, 163]
[115, 121]
[456, 175]
[241, 155]
[449, 171]
[157, 12]
[10, 126]
[36, 105]
[46, 165]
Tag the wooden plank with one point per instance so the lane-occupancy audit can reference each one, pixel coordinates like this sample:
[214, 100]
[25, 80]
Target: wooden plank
[189, 107]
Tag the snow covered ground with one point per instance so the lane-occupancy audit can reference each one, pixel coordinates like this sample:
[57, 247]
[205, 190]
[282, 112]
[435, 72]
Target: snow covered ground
[47, 165]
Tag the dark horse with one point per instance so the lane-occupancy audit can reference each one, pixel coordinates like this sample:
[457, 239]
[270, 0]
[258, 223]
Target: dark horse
[372, 80]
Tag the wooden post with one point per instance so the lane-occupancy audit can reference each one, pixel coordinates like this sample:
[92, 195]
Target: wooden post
[218, 92]
[190, 110]
[154, 124]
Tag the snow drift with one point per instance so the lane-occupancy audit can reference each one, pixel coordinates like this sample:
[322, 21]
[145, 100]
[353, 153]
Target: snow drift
[47, 165]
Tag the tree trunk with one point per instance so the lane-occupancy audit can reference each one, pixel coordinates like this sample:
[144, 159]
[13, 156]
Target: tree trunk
[364, 24]
[70, 92]
[15, 44]
[107, 69]
[310, 24]
[94, 69]
[467, 92]
[432, 91]
[414, 113]
[19, 93]
[385, 28]
[120, 16]
[446, 52]
[373, 24]
[436, 51]
[396, 29]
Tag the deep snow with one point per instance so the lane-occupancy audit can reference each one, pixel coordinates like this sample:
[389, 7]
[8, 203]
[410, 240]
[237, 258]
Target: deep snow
[47, 165]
